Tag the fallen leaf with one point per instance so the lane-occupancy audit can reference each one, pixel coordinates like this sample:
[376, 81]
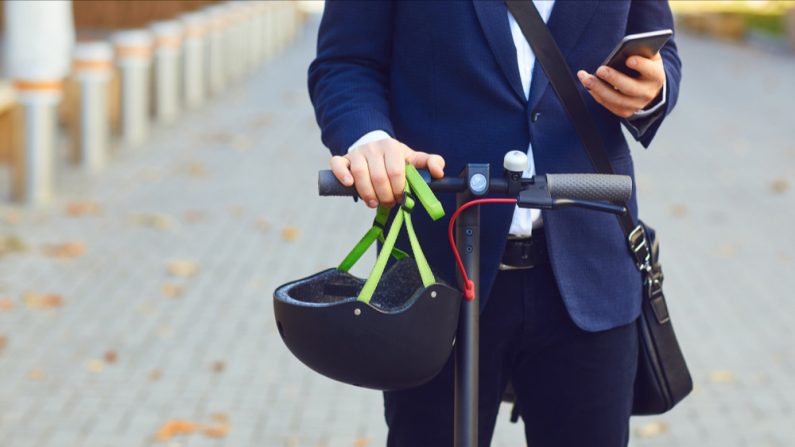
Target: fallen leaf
[95, 366]
[361, 442]
[241, 143]
[193, 216]
[11, 244]
[82, 208]
[727, 251]
[156, 221]
[261, 121]
[10, 217]
[289, 234]
[155, 375]
[219, 429]
[146, 309]
[6, 304]
[42, 301]
[3, 342]
[215, 431]
[171, 290]
[65, 250]
[263, 225]
[176, 427]
[779, 186]
[651, 429]
[165, 332]
[194, 169]
[36, 375]
[218, 137]
[679, 210]
[218, 366]
[111, 357]
[235, 210]
[721, 376]
[183, 268]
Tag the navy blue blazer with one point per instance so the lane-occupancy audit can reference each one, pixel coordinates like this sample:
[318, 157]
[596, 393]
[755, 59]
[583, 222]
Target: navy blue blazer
[442, 77]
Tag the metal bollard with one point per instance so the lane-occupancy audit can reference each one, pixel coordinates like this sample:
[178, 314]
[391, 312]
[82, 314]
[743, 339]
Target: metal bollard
[168, 48]
[216, 25]
[93, 67]
[269, 32]
[134, 57]
[40, 101]
[257, 42]
[38, 44]
[229, 58]
[195, 24]
[252, 32]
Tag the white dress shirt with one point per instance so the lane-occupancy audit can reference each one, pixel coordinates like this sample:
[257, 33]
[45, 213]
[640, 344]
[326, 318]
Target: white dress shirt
[524, 220]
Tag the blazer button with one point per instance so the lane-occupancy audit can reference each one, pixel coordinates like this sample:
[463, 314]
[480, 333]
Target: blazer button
[534, 116]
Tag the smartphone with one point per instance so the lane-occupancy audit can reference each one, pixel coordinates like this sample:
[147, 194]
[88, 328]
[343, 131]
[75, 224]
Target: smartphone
[641, 44]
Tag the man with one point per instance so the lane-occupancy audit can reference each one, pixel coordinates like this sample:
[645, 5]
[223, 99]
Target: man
[441, 84]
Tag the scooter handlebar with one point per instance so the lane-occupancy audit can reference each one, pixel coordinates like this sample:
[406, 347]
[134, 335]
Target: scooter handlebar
[613, 188]
[328, 185]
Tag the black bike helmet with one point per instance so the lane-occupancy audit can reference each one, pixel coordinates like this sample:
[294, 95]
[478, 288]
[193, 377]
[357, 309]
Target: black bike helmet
[394, 330]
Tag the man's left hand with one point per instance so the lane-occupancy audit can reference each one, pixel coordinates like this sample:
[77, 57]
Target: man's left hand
[621, 94]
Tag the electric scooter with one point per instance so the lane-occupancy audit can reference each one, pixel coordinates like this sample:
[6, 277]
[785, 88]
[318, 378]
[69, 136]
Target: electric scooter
[598, 192]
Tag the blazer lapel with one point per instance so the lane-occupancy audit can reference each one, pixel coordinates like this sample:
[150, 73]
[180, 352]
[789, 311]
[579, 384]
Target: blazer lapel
[566, 23]
[493, 17]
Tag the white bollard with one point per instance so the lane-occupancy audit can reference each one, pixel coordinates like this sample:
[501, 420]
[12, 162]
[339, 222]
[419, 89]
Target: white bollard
[238, 41]
[134, 57]
[252, 36]
[257, 28]
[228, 38]
[282, 25]
[193, 72]
[168, 51]
[40, 101]
[93, 68]
[39, 37]
[269, 35]
[216, 25]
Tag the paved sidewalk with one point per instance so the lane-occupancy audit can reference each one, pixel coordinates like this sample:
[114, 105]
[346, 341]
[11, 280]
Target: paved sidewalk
[143, 295]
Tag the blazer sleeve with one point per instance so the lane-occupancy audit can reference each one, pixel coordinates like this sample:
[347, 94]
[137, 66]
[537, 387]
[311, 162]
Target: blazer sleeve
[646, 16]
[349, 79]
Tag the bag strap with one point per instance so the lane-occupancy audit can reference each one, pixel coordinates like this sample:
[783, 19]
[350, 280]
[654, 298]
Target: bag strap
[563, 82]
[415, 184]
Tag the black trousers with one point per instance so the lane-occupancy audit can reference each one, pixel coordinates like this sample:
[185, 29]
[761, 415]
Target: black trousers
[574, 387]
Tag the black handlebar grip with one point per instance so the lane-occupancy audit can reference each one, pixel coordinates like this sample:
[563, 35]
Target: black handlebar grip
[328, 185]
[615, 188]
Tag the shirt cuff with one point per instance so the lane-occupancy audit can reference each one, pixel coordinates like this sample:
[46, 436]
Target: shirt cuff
[654, 108]
[369, 137]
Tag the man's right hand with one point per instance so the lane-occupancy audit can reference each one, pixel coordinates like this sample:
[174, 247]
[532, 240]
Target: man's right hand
[378, 169]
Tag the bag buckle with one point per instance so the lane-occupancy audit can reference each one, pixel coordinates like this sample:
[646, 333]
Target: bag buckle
[639, 246]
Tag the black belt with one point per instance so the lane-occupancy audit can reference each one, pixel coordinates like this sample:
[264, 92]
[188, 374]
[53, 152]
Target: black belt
[525, 253]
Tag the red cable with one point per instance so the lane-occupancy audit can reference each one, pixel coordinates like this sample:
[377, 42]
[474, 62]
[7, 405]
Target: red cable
[469, 286]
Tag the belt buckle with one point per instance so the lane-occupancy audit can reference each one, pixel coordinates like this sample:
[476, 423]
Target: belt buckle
[506, 267]
[513, 239]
